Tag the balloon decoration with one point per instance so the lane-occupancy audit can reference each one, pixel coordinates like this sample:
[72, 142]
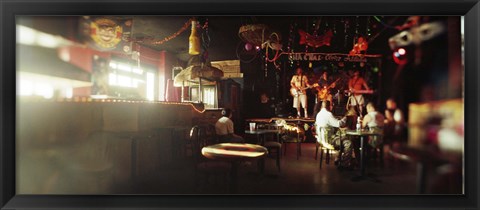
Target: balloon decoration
[260, 36]
[248, 46]
[273, 43]
[315, 41]
[246, 53]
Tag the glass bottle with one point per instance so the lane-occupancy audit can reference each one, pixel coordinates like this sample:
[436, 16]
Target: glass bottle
[193, 40]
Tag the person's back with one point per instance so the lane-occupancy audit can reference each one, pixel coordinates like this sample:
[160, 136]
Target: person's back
[377, 119]
[324, 123]
[224, 128]
[351, 119]
[223, 125]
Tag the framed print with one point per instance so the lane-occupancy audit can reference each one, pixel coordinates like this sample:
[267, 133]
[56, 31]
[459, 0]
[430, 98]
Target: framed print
[186, 105]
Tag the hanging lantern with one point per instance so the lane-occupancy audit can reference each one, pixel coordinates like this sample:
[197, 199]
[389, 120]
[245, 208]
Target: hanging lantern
[254, 34]
[193, 40]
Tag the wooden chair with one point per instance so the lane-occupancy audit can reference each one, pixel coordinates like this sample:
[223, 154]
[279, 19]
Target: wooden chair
[293, 137]
[203, 166]
[378, 152]
[273, 147]
[325, 135]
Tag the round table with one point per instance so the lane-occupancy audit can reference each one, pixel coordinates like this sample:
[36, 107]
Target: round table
[299, 122]
[362, 134]
[423, 157]
[234, 153]
[259, 132]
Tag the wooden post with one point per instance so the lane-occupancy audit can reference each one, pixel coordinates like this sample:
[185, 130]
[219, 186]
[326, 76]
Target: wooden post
[200, 90]
[183, 94]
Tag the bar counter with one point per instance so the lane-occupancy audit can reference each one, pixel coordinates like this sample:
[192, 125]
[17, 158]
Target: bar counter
[55, 137]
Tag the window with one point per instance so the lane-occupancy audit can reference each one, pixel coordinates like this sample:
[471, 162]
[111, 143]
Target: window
[125, 75]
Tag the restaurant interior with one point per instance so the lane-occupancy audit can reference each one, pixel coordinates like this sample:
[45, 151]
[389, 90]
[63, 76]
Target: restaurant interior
[239, 105]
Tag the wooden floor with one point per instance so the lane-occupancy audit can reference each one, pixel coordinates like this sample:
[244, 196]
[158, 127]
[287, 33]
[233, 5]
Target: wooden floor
[302, 176]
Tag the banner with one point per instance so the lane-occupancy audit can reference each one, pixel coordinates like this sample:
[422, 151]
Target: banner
[337, 57]
[107, 33]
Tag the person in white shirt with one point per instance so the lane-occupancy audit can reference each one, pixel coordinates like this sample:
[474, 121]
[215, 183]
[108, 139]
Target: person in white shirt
[225, 130]
[374, 120]
[323, 123]
[299, 82]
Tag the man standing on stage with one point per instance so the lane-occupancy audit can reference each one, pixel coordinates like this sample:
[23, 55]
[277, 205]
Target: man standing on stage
[299, 84]
[355, 84]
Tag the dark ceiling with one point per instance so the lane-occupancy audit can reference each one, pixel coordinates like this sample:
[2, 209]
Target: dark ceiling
[223, 31]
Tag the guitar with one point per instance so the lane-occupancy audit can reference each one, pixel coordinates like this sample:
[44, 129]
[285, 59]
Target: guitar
[295, 92]
[323, 91]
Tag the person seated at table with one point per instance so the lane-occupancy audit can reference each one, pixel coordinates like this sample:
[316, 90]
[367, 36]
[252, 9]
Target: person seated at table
[351, 116]
[224, 128]
[323, 124]
[266, 108]
[394, 122]
[374, 120]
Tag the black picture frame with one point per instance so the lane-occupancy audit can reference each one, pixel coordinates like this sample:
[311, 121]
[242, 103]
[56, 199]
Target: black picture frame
[10, 8]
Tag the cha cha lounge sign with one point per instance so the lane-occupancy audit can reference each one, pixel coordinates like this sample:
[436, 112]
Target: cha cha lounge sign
[336, 57]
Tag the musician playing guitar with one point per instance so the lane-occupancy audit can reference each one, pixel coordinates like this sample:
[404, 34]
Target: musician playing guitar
[355, 84]
[324, 91]
[299, 84]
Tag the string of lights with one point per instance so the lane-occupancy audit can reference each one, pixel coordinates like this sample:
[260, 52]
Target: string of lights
[93, 100]
[381, 22]
[154, 41]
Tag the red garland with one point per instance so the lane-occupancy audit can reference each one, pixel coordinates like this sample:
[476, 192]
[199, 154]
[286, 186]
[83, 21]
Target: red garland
[166, 39]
